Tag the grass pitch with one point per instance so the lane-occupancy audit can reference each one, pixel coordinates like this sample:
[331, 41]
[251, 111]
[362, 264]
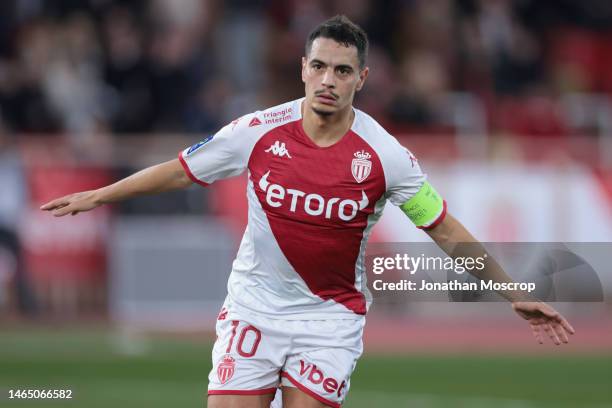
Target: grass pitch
[105, 370]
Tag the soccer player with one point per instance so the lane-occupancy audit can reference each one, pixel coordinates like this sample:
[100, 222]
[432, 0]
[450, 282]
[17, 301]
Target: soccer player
[319, 174]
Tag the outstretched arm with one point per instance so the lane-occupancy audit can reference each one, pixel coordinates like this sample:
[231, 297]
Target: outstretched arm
[155, 179]
[454, 239]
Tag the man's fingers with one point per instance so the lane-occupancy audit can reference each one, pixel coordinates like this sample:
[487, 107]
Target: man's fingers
[568, 327]
[535, 328]
[557, 318]
[561, 334]
[544, 317]
[65, 209]
[48, 206]
[57, 203]
[551, 333]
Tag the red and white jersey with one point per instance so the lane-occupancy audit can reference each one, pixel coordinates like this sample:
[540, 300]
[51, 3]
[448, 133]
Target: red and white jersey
[311, 209]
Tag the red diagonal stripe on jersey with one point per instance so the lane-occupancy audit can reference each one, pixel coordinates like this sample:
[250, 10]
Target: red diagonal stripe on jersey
[323, 251]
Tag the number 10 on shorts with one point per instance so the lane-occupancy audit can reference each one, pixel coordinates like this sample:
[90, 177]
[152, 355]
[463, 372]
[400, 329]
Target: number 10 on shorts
[246, 346]
[247, 331]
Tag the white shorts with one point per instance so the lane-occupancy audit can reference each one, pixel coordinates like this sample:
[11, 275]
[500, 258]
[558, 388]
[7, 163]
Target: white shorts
[255, 355]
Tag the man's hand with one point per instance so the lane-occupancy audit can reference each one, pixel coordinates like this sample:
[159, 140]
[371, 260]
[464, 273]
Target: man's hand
[72, 204]
[543, 317]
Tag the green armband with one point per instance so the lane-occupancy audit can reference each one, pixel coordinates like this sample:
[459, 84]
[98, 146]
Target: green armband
[424, 207]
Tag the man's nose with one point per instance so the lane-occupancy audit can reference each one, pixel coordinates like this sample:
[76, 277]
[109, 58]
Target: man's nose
[329, 79]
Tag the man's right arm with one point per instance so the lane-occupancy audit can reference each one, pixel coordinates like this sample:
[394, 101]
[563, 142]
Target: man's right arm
[152, 180]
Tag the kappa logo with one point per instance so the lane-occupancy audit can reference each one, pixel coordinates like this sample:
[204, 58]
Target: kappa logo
[361, 166]
[226, 368]
[278, 149]
[254, 122]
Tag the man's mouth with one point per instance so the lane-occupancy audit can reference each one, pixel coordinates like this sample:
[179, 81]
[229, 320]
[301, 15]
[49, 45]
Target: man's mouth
[326, 98]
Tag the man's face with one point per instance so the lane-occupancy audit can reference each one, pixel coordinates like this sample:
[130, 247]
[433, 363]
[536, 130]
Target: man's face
[331, 76]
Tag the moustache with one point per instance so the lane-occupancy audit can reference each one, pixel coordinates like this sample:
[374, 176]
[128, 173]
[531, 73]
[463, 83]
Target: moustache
[326, 93]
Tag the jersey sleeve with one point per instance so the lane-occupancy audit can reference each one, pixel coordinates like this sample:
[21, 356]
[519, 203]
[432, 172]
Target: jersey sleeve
[404, 175]
[219, 156]
[409, 189]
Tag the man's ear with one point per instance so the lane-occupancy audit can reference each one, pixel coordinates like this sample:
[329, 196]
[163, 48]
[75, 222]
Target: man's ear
[304, 69]
[363, 74]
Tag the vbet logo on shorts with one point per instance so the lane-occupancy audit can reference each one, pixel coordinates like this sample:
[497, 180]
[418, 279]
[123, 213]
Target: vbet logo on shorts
[200, 144]
[316, 377]
[314, 204]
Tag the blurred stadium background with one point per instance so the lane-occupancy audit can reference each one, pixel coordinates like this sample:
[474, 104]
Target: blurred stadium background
[507, 104]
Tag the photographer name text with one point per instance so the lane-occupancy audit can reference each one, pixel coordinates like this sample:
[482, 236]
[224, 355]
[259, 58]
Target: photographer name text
[425, 285]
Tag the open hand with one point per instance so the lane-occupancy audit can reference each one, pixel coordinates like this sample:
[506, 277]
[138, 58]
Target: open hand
[71, 204]
[542, 317]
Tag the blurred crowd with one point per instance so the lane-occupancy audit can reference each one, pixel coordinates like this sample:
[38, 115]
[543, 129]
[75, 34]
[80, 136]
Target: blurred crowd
[126, 67]
[100, 71]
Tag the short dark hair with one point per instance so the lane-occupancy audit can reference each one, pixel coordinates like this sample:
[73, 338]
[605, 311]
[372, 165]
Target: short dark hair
[342, 30]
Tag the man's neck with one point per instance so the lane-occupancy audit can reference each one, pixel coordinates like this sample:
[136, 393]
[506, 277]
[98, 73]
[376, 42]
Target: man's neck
[325, 130]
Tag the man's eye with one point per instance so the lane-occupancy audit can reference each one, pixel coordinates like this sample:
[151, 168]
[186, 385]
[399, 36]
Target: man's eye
[317, 66]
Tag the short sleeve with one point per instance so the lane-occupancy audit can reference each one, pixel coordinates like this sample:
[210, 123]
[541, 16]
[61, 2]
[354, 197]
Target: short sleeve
[408, 189]
[405, 176]
[217, 156]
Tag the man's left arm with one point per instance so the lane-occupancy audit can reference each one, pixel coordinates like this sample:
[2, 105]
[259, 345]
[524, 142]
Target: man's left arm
[454, 239]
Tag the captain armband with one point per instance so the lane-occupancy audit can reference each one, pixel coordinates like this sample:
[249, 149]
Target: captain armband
[426, 208]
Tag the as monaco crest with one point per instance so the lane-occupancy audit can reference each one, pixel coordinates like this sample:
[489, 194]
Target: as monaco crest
[361, 166]
[226, 368]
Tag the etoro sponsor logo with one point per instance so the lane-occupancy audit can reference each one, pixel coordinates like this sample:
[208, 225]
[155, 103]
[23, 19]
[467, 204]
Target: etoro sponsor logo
[316, 377]
[314, 204]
